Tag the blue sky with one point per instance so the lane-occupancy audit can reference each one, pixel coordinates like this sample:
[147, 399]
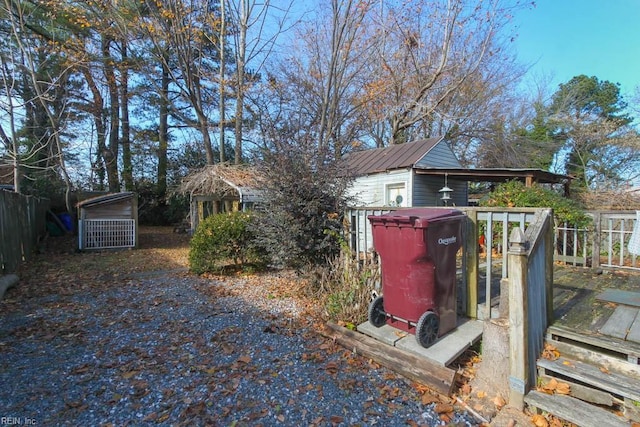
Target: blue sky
[566, 38]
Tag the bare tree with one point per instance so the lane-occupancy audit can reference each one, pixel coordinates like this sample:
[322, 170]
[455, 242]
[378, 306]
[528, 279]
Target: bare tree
[431, 53]
[257, 26]
[184, 36]
[320, 83]
[33, 85]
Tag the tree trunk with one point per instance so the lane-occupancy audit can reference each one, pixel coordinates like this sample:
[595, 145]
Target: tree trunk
[127, 167]
[163, 133]
[240, 76]
[237, 155]
[223, 29]
[203, 124]
[96, 109]
[110, 152]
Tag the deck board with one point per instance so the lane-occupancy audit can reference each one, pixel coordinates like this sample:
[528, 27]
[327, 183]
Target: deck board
[620, 297]
[619, 323]
[634, 331]
[585, 373]
[574, 410]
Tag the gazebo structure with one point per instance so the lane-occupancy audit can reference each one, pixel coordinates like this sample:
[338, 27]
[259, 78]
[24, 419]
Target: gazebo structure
[221, 188]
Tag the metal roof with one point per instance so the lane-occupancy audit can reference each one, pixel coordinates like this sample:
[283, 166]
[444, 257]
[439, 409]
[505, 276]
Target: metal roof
[397, 156]
[497, 174]
[107, 198]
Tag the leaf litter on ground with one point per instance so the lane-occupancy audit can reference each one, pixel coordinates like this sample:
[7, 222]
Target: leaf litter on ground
[112, 338]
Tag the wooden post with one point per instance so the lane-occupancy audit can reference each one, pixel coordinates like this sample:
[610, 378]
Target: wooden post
[549, 238]
[471, 263]
[595, 256]
[134, 216]
[518, 351]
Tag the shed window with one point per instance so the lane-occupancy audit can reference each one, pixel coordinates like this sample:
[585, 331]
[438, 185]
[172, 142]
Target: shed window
[396, 194]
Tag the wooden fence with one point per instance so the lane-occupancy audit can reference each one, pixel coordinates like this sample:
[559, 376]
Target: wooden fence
[22, 223]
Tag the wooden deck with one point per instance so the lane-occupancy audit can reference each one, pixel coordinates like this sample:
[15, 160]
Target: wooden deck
[596, 334]
[585, 301]
[602, 306]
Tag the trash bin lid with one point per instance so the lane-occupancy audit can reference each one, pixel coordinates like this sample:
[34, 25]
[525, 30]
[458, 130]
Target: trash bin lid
[414, 217]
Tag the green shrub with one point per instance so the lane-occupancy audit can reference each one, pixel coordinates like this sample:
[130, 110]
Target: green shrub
[222, 239]
[516, 194]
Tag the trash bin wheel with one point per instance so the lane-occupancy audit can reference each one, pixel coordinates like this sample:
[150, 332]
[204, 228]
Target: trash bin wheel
[427, 329]
[377, 316]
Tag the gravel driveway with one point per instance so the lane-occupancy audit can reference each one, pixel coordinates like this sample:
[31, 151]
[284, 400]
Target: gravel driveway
[169, 348]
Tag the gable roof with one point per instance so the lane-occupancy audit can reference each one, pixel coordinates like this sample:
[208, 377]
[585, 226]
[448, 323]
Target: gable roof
[397, 156]
[106, 199]
[224, 181]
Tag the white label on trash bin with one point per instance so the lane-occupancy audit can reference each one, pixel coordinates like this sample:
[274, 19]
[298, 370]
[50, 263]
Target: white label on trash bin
[447, 240]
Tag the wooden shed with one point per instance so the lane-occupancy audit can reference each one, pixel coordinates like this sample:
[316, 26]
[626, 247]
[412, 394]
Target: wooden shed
[108, 222]
[221, 188]
[390, 176]
[427, 173]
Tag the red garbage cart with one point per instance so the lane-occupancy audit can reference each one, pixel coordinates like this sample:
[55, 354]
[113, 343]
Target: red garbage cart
[417, 249]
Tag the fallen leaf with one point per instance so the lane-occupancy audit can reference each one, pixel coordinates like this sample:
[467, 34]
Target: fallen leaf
[481, 394]
[550, 386]
[336, 419]
[446, 417]
[389, 376]
[550, 352]
[555, 422]
[151, 417]
[421, 388]
[428, 399]
[563, 388]
[444, 408]
[80, 369]
[568, 363]
[604, 370]
[499, 401]
[332, 368]
[244, 359]
[539, 421]
[465, 389]
[130, 374]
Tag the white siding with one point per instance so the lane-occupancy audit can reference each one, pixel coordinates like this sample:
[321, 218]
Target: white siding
[370, 190]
